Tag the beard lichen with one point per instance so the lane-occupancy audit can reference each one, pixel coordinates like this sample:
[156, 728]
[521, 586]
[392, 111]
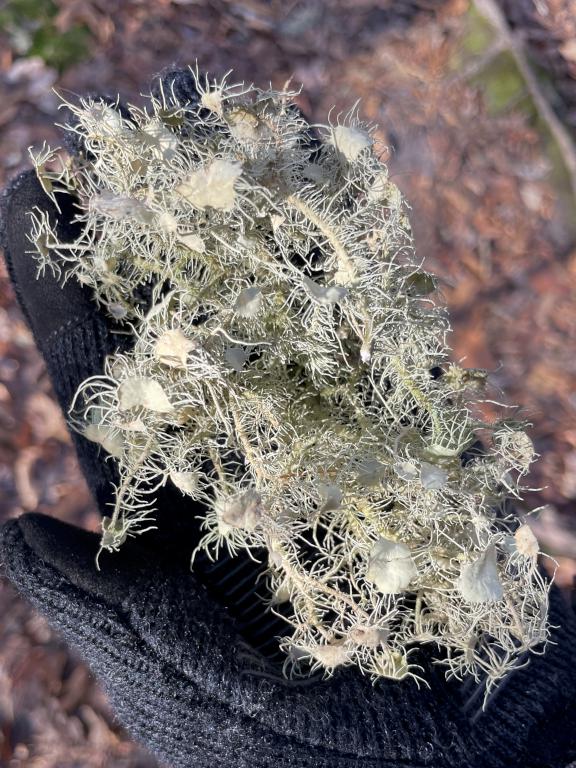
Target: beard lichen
[290, 373]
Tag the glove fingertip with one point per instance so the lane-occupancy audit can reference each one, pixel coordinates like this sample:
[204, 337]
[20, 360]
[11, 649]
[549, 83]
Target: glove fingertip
[176, 84]
[23, 180]
[34, 540]
[9, 535]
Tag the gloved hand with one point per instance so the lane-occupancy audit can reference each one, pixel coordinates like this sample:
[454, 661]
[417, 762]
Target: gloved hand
[185, 656]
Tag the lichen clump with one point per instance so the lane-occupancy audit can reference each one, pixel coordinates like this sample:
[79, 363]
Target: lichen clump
[291, 373]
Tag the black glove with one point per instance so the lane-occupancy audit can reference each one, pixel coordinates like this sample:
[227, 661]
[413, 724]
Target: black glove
[185, 657]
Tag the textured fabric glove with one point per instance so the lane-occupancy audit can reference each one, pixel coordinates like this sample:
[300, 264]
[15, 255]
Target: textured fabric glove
[185, 656]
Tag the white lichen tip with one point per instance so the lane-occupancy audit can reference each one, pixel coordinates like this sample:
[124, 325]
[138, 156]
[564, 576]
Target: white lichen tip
[390, 566]
[248, 302]
[187, 482]
[145, 392]
[479, 581]
[350, 141]
[526, 541]
[172, 348]
[212, 186]
[323, 294]
[243, 510]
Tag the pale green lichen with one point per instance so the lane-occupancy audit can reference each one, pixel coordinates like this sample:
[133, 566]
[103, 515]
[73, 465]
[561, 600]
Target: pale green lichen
[282, 376]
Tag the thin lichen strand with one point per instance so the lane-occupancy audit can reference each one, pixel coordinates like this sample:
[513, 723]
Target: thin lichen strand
[288, 319]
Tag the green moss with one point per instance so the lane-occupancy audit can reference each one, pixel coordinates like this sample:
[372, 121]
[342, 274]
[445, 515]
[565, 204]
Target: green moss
[501, 82]
[61, 50]
[504, 89]
[32, 31]
[479, 33]
[477, 37]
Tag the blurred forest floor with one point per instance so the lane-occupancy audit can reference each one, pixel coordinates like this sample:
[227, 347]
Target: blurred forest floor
[477, 104]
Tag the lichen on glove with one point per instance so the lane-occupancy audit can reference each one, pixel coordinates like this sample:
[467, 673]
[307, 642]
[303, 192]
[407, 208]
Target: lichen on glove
[291, 373]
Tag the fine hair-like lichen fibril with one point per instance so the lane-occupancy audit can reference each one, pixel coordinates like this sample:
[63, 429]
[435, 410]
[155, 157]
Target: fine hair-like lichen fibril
[291, 372]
